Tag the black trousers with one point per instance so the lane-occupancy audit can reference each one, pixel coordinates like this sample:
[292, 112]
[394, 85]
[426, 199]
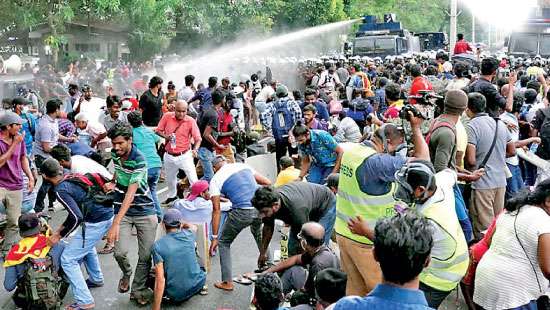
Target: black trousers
[281, 148]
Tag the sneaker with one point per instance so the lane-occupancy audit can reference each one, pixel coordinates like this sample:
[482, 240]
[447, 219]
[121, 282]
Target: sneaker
[92, 284]
[204, 290]
[170, 200]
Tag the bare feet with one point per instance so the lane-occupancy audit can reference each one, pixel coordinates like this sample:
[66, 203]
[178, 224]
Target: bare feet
[226, 286]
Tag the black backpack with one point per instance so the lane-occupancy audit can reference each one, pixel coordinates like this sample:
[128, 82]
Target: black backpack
[543, 150]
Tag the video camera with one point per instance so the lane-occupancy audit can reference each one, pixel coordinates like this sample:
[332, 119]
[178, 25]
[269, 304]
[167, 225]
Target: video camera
[425, 102]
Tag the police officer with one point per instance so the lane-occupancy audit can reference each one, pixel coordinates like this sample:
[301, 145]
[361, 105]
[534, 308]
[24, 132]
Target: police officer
[366, 187]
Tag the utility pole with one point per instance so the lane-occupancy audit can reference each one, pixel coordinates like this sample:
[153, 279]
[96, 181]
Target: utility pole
[453, 15]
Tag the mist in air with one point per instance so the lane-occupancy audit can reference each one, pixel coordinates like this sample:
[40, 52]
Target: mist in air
[505, 15]
[281, 52]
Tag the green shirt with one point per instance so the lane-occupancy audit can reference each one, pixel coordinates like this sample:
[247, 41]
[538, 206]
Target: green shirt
[132, 171]
[146, 141]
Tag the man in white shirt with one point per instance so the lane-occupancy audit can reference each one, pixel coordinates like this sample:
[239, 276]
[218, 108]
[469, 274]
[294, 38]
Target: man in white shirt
[78, 163]
[188, 91]
[94, 134]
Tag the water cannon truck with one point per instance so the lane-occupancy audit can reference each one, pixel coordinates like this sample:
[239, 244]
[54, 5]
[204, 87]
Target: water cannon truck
[381, 39]
[532, 37]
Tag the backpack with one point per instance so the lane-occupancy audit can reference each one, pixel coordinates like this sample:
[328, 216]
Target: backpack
[544, 133]
[93, 184]
[282, 119]
[40, 288]
[29, 121]
[438, 124]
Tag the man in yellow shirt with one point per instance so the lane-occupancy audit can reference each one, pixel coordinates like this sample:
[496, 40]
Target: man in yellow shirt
[288, 172]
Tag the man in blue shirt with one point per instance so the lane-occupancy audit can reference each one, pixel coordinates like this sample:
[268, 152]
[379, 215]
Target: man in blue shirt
[238, 183]
[402, 246]
[20, 106]
[204, 96]
[91, 220]
[311, 97]
[321, 155]
[178, 275]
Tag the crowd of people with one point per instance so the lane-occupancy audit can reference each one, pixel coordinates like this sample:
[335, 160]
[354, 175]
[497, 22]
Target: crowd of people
[400, 181]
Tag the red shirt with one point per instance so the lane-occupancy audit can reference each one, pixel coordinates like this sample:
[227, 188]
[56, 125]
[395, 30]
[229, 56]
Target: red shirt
[419, 83]
[224, 120]
[185, 130]
[462, 47]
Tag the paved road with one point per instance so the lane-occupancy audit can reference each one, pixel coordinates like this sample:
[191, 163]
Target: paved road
[244, 254]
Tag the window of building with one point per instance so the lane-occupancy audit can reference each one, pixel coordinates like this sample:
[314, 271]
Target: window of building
[87, 47]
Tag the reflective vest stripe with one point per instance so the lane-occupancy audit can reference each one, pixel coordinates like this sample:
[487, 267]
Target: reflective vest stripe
[346, 219]
[366, 200]
[457, 260]
[446, 275]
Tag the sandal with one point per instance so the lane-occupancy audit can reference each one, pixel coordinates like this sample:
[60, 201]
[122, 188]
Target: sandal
[107, 249]
[139, 299]
[242, 280]
[124, 285]
[226, 286]
[76, 306]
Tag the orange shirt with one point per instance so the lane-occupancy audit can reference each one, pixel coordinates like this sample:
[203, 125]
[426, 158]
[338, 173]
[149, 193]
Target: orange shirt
[185, 130]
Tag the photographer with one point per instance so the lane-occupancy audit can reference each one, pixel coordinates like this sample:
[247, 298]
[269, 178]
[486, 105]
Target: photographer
[366, 188]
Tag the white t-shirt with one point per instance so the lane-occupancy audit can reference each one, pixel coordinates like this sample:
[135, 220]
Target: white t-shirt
[505, 278]
[92, 108]
[265, 93]
[82, 165]
[509, 118]
[186, 93]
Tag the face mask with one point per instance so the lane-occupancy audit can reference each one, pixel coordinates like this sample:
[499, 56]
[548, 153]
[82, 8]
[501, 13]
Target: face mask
[25, 109]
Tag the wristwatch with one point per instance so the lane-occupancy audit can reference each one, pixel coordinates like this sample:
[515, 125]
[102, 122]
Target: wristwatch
[214, 236]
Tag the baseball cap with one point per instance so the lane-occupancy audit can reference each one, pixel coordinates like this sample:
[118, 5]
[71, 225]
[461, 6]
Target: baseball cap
[126, 104]
[197, 188]
[9, 118]
[281, 91]
[29, 225]
[172, 218]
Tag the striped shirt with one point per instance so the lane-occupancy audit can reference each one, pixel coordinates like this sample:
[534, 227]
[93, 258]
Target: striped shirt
[133, 170]
[505, 276]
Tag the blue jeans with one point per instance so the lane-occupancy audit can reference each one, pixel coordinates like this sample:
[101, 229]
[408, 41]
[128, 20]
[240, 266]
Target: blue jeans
[327, 221]
[153, 175]
[77, 250]
[514, 184]
[318, 174]
[462, 214]
[206, 156]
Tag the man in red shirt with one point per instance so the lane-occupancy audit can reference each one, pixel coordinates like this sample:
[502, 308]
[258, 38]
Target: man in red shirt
[461, 46]
[180, 132]
[225, 135]
[419, 83]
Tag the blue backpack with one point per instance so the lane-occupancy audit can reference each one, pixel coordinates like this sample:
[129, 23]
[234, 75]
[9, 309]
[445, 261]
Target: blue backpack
[282, 119]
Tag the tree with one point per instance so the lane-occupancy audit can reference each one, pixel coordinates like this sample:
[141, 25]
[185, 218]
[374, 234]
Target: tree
[307, 13]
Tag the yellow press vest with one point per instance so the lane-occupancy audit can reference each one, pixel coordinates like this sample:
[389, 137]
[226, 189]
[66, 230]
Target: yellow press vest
[444, 275]
[351, 201]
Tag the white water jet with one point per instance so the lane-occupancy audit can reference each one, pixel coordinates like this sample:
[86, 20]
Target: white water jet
[248, 56]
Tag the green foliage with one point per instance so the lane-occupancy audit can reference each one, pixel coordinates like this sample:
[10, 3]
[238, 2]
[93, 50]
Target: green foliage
[182, 25]
[305, 13]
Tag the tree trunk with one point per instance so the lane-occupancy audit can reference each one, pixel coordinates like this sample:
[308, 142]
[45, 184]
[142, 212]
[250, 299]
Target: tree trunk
[53, 33]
